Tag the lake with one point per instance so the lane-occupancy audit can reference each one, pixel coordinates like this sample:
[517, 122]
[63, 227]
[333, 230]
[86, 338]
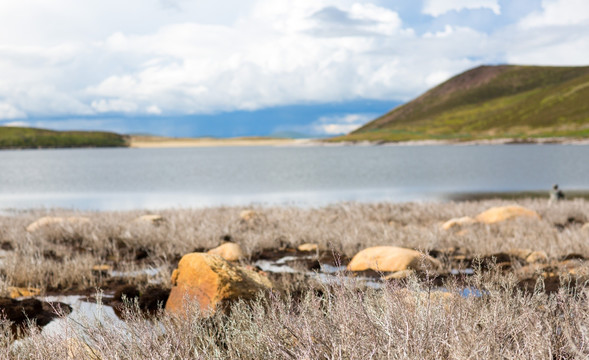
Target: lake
[127, 178]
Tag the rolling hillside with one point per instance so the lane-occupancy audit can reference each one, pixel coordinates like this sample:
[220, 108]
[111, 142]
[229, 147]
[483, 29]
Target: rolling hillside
[27, 138]
[487, 102]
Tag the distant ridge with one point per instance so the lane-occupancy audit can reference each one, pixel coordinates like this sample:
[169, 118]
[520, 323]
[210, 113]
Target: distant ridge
[504, 101]
[30, 138]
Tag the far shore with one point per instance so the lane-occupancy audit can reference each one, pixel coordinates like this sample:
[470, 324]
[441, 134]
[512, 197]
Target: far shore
[168, 142]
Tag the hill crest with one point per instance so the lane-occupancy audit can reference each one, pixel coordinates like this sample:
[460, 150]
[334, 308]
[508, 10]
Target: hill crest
[510, 101]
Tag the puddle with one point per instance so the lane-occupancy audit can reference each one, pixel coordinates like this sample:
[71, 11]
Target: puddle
[330, 274]
[330, 269]
[83, 314]
[150, 271]
[327, 274]
[271, 266]
[467, 271]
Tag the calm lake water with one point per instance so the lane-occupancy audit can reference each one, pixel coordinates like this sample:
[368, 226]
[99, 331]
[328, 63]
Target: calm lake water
[121, 179]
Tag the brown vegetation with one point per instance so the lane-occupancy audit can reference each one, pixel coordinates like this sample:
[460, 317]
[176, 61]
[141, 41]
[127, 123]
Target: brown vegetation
[524, 295]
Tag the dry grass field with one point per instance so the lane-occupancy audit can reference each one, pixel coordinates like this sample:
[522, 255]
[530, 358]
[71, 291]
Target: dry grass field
[423, 316]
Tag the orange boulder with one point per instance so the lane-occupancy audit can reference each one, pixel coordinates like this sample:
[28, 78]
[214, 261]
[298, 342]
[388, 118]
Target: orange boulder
[210, 280]
[390, 259]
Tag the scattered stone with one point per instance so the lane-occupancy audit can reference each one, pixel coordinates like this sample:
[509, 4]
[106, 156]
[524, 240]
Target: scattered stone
[53, 220]
[537, 257]
[458, 222]
[502, 213]
[248, 215]
[152, 219]
[308, 247]
[210, 281]
[391, 259]
[17, 292]
[228, 251]
[102, 269]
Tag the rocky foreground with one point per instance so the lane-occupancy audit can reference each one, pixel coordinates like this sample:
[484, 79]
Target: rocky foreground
[447, 253]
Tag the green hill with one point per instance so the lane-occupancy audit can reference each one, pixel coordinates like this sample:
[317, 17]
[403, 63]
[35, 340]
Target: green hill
[491, 102]
[25, 138]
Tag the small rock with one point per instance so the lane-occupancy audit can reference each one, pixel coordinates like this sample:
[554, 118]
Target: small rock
[391, 258]
[153, 219]
[458, 222]
[537, 257]
[228, 251]
[17, 292]
[53, 220]
[210, 281]
[101, 269]
[308, 247]
[247, 215]
[502, 213]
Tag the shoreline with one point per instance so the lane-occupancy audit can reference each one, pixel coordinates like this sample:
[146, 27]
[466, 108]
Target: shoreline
[146, 142]
[143, 142]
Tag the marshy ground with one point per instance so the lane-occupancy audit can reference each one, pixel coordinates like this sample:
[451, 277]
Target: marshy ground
[487, 300]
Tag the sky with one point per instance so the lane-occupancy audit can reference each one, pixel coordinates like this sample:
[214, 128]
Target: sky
[258, 67]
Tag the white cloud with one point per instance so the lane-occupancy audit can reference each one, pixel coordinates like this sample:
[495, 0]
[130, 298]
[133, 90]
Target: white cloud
[439, 7]
[558, 13]
[168, 57]
[337, 125]
[8, 111]
[114, 105]
[153, 109]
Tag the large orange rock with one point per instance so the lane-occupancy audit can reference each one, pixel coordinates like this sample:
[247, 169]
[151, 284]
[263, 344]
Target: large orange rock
[228, 251]
[54, 220]
[391, 258]
[210, 280]
[502, 213]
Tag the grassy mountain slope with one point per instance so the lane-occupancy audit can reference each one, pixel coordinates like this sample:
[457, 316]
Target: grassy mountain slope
[492, 102]
[23, 138]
